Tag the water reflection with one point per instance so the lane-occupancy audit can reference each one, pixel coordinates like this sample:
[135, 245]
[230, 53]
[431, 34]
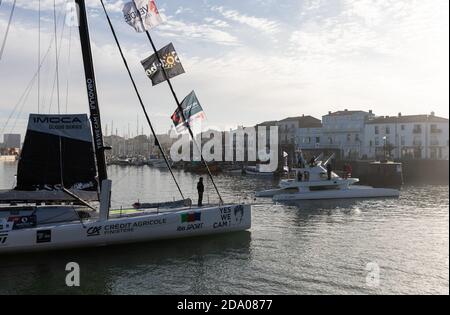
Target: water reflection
[318, 247]
[103, 269]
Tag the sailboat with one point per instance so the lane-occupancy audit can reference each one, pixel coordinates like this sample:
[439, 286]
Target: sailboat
[62, 168]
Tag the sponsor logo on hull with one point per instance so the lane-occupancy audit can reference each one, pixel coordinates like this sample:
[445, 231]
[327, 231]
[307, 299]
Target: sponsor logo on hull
[193, 220]
[119, 228]
[3, 238]
[22, 222]
[230, 216]
[43, 236]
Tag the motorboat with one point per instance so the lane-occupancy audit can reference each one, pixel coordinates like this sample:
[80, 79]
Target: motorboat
[313, 183]
[158, 163]
[256, 171]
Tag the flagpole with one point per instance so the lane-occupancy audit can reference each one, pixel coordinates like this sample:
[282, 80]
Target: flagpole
[178, 102]
[141, 102]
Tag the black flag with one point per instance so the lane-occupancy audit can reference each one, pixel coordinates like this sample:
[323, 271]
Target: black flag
[170, 61]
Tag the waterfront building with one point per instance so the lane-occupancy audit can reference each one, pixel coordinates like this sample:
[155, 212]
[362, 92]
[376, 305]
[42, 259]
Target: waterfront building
[11, 141]
[344, 131]
[407, 137]
[310, 137]
[288, 129]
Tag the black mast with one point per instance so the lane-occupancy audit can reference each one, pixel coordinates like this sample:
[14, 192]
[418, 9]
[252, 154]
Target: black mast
[92, 92]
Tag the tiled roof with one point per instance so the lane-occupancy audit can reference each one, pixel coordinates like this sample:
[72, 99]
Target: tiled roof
[407, 119]
[305, 121]
[268, 123]
[346, 113]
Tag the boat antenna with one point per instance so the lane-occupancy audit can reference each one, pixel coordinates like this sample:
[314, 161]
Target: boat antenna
[92, 93]
[140, 100]
[180, 108]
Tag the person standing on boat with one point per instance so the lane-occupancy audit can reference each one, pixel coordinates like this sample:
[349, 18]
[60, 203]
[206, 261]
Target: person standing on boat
[312, 162]
[201, 190]
[329, 170]
[301, 159]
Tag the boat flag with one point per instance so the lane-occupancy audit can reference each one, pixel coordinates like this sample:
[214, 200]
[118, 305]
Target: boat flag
[192, 110]
[148, 11]
[171, 63]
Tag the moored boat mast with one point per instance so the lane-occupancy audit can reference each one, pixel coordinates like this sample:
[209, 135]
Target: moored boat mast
[92, 92]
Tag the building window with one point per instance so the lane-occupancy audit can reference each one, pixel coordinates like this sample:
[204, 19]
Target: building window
[308, 140]
[377, 141]
[434, 129]
[402, 140]
[417, 141]
[357, 137]
[377, 130]
[417, 129]
[330, 140]
[388, 130]
[317, 139]
[402, 127]
[349, 137]
[434, 140]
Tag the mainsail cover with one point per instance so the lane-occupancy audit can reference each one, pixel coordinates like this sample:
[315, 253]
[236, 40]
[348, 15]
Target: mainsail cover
[57, 151]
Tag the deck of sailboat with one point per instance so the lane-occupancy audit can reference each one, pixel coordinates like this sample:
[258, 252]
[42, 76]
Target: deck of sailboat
[130, 212]
[42, 196]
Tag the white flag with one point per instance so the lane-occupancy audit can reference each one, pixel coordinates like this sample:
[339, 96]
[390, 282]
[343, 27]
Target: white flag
[150, 16]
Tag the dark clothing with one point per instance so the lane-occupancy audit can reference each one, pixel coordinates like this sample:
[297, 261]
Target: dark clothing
[200, 199]
[201, 190]
[329, 170]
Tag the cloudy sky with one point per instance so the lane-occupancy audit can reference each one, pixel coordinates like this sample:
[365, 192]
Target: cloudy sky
[248, 61]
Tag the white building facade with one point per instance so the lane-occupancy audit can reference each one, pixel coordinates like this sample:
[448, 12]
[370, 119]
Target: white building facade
[295, 130]
[12, 141]
[309, 138]
[345, 131]
[407, 137]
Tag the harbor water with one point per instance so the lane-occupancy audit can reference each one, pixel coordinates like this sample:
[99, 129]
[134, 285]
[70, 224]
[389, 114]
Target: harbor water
[377, 246]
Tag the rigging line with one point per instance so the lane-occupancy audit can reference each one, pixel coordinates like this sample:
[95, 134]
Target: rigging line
[18, 103]
[68, 67]
[43, 97]
[140, 99]
[61, 163]
[21, 107]
[7, 30]
[28, 86]
[56, 77]
[178, 104]
[56, 55]
[39, 59]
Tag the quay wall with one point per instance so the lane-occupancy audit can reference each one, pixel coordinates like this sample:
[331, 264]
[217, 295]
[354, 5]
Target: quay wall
[434, 172]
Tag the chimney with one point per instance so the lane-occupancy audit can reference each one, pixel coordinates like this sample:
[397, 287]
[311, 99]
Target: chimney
[370, 111]
[303, 115]
[329, 113]
[432, 114]
[399, 114]
[346, 110]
